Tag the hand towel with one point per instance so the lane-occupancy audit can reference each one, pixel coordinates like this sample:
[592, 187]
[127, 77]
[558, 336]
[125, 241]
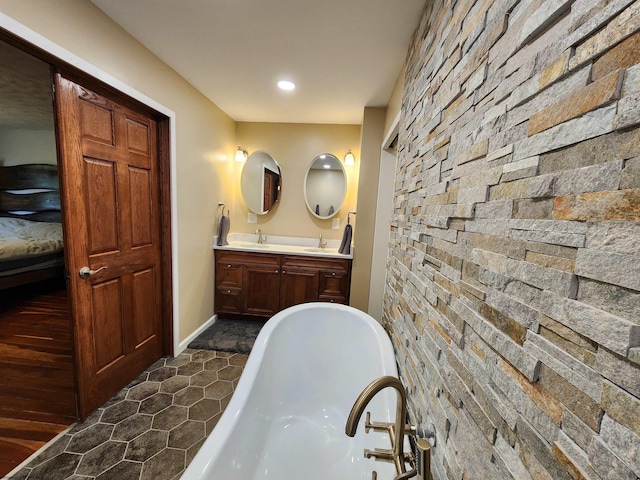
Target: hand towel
[345, 244]
[223, 230]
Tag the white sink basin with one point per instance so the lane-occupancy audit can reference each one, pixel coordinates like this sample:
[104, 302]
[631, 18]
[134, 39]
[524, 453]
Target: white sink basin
[252, 245]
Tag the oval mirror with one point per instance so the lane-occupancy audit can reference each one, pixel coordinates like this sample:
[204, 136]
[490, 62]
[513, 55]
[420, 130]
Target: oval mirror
[325, 186]
[260, 182]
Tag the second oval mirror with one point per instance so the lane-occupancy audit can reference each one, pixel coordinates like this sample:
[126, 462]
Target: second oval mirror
[260, 182]
[325, 186]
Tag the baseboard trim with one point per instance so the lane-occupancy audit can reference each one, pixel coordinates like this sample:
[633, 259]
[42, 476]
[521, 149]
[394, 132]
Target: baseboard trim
[182, 346]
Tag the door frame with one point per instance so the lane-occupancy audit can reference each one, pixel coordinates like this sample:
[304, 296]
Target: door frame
[35, 44]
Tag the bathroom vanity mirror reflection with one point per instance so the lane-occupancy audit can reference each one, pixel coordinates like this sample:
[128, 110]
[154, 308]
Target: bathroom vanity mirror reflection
[260, 182]
[325, 186]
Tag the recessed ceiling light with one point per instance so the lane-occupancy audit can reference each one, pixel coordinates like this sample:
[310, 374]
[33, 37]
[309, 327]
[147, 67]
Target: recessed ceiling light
[286, 85]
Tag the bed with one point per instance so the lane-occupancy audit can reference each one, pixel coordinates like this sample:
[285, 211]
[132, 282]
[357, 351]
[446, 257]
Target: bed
[31, 244]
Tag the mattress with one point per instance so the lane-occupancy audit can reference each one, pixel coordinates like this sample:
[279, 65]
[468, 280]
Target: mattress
[30, 245]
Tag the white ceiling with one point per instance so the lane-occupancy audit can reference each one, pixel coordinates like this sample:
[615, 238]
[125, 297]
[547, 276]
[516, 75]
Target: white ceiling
[343, 55]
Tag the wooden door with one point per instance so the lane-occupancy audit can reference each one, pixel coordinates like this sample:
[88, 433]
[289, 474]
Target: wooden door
[111, 211]
[268, 190]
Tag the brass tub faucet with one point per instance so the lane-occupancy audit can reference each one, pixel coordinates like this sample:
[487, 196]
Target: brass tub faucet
[396, 430]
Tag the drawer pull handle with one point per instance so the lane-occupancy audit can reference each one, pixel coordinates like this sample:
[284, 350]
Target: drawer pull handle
[228, 291]
[334, 274]
[283, 272]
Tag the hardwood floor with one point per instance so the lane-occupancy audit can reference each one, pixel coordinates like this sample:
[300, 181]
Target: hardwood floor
[37, 386]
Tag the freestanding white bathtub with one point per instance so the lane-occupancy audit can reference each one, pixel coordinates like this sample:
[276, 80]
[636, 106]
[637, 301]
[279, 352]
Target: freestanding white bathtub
[286, 419]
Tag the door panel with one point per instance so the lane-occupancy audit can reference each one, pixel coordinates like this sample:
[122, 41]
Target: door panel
[140, 191]
[96, 123]
[144, 308]
[138, 137]
[101, 204]
[109, 158]
[106, 318]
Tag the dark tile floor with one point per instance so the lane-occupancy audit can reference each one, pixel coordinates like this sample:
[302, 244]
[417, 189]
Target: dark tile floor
[151, 429]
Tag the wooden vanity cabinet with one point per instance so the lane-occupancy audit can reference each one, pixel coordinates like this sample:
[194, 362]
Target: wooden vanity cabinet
[262, 284]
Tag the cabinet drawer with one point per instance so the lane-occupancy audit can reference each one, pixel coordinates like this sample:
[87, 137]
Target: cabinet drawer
[229, 275]
[247, 258]
[318, 263]
[341, 300]
[228, 300]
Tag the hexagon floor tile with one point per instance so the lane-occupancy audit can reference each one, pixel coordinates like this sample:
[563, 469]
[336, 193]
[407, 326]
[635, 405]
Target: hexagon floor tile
[151, 429]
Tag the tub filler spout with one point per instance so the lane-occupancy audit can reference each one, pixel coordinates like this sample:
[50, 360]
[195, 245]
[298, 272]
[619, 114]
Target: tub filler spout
[396, 430]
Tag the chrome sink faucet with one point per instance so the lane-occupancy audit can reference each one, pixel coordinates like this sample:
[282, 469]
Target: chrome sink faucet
[396, 430]
[322, 243]
[261, 238]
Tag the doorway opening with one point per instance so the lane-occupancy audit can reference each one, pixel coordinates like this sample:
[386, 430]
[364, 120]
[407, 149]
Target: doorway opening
[41, 387]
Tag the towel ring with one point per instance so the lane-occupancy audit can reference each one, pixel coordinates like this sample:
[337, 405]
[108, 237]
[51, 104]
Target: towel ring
[349, 216]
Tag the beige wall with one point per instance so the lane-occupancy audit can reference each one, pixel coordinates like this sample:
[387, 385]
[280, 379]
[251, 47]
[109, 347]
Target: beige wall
[372, 134]
[294, 146]
[395, 101]
[384, 202]
[205, 136]
[19, 146]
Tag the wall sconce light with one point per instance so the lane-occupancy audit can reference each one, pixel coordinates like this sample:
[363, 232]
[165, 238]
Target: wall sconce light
[349, 159]
[241, 154]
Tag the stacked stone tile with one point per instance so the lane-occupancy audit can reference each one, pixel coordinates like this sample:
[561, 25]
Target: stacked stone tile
[513, 293]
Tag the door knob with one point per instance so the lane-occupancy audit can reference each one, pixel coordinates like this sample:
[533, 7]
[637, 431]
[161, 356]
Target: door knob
[86, 272]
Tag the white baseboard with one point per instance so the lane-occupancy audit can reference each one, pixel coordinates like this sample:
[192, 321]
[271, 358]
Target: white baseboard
[182, 346]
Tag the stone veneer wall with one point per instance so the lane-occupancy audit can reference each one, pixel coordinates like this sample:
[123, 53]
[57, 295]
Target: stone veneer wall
[513, 288]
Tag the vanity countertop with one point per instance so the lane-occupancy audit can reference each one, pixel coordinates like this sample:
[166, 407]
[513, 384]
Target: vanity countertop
[282, 245]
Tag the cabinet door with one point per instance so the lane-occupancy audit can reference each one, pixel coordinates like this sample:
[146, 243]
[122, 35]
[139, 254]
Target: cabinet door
[334, 286]
[261, 285]
[298, 285]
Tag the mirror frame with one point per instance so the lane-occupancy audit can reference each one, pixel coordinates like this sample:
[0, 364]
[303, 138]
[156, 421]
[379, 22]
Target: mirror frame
[243, 185]
[306, 180]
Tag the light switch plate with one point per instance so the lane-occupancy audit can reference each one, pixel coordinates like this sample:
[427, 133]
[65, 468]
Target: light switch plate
[252, 218]
[335, 223]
